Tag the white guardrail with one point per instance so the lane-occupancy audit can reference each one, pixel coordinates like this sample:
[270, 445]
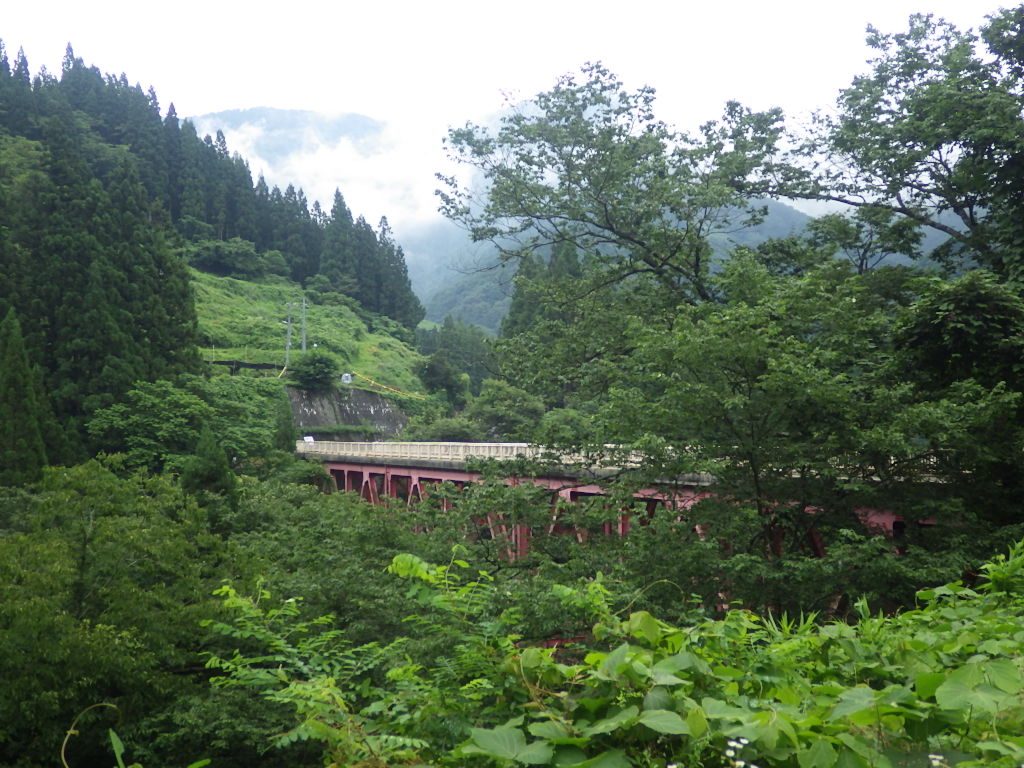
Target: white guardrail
[418, 451]
[613, 459]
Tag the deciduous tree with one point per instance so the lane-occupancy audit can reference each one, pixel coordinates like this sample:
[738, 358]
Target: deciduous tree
[935, 133]
[587, 163]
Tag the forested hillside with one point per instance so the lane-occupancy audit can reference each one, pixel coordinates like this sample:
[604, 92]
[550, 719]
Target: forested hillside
[104, 202]
[841, 587]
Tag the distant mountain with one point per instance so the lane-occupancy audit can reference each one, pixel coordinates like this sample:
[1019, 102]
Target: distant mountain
[782, 221]
[454, 276]
[473, 287]
[437, 252]
[481, 296]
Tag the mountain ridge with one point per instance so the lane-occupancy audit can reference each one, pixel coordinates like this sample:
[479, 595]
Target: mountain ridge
[480, 292]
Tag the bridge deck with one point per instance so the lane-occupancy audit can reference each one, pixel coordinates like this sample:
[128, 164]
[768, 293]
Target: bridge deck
[457, 453]
[456, 456]
[407, 471]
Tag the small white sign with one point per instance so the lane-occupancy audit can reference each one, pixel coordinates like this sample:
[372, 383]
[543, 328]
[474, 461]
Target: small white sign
[346, 378]
[308, 439]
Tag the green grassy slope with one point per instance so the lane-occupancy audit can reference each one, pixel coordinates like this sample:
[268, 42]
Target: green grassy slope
[244, 321]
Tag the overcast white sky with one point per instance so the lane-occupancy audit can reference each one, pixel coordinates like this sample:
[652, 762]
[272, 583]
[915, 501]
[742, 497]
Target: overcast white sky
[423, 66]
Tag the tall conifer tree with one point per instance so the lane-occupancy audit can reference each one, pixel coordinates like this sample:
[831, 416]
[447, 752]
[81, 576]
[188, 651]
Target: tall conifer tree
[337, 258]
[22, 452]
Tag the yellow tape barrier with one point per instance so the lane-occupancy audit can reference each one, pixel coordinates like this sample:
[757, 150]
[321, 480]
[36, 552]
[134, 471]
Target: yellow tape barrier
[414, 395]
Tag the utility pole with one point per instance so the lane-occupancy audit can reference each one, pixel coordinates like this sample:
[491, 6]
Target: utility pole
[303, 322]
[288, 336]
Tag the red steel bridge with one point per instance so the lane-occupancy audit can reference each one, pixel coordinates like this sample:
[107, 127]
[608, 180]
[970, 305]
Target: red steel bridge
[407, 472]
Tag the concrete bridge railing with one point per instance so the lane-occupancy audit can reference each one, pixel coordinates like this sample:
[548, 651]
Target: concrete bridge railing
[452, 452]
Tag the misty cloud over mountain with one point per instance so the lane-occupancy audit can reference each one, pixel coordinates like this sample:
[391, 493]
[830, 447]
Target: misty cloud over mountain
[379, 172]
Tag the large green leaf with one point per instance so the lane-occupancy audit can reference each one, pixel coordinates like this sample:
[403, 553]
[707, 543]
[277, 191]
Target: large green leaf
[118, 746]
[820, 754]
[625, 717]
[859, 747]
[965, 689]
[507, 743]
[662, 672]
[715, 709]
[852, 701]
[927, 683]
[697, 723]
[568, 755]
[664, 721]
[552, 731]
[614, 758]
[685, 660]
[642, 625]
[502, 742]
[728, 673]
[658, 698]
[549, 729]
[537, 753]
[1004, 675]
[532, 658]
[611, 667]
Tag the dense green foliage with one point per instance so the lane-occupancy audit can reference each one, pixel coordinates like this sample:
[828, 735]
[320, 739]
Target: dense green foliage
[101, 298]
[477, 287]
[852, 426]
[207, 475]
[234, 258]
[934, 131]
[459, 358]
[90, 558]
[942, 679]
[158, 425]
[101, 580]
[806, 373]
[369, 267]
[315, 370]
